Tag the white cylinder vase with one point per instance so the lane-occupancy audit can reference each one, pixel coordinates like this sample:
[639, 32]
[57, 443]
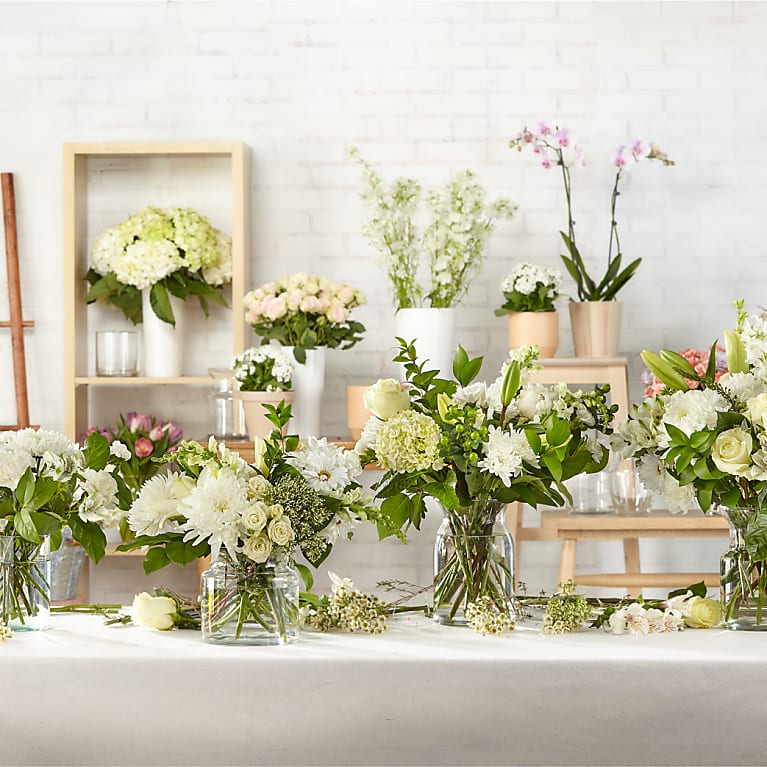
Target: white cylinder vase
[162, 343]
[309, 388]
[433, 331]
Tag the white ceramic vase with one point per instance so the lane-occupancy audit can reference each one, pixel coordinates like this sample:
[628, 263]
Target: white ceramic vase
[162, 343]
[309, 388]
[433, 331]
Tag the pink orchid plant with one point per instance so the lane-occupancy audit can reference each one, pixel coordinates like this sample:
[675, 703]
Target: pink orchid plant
[556, 147]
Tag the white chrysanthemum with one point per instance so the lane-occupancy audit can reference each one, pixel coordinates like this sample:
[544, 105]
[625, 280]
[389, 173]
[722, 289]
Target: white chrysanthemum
[13, 463]
[679, 499]
[504, 452]
[97, 494]
[157, 504]
[481, 395]
[694, 410]
[652, 473]
[326, 468]
[214, 510]
[742, 386]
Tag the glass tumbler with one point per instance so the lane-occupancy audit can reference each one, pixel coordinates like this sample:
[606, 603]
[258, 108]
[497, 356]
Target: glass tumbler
[116, 353]
[629, 496]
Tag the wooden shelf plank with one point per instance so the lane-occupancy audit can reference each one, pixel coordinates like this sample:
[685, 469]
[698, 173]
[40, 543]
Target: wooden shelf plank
[141, 381]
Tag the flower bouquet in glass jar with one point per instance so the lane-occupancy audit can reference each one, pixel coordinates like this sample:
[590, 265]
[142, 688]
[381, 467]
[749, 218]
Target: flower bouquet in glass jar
[48, 483]
[709, 443]
[475, 447]
[251, 520]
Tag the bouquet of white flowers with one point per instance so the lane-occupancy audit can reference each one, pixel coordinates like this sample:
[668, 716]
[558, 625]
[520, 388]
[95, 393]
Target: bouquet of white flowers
[530, 288]
[170, 250]
[48, 483]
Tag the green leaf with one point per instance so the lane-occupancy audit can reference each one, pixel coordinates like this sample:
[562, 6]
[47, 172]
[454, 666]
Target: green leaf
[533, 439]
[90, 536]
[557, 432]
[443, 493]
[306, 575]
[621, 280]
[183, 552]
[25, 527]
[460, 360]
[397, 509]
[96, 451]
[705, 494]
[698, 589]
[711, 367]
[677, 435]
[736, 353]
[156, 558]
[300, 354]
[551, 462]
[160, 303]
[510, 385]
[756, 537]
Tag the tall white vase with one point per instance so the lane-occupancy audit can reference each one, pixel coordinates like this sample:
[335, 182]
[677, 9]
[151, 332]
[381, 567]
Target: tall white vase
[162, 344]
[309, 388]
[433, 331]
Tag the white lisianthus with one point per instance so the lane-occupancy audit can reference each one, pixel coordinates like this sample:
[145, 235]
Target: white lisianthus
[731, 451]
[154, 612]
[258, 548]
[386, 397]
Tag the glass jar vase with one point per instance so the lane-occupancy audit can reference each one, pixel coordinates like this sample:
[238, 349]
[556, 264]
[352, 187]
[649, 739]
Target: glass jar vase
[743, 579]
[249, 603]
[473, 559]
[25, 577]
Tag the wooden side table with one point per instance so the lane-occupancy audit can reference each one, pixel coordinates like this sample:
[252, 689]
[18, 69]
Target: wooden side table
[571, 528]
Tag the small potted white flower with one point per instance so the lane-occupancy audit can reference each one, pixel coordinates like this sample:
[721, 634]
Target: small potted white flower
[265, 377]
[530, 292]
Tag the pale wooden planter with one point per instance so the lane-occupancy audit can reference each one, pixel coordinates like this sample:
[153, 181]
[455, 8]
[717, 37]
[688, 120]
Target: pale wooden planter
[540, 328]
[255, 416]
[596, 327]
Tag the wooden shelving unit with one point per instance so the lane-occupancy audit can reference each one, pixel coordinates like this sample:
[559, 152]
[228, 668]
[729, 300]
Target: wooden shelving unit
[92, 165]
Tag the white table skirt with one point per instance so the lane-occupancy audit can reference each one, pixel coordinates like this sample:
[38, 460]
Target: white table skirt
[420, 694]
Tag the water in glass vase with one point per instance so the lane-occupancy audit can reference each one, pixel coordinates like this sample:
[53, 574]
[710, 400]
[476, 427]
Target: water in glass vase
[254, 604]
[25, 577]
[473, 558]
[743, 578]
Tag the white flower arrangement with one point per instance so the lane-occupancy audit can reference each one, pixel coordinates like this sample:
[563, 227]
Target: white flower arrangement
[170, 250]
[530, 288]
[263, 368]
[452, 246]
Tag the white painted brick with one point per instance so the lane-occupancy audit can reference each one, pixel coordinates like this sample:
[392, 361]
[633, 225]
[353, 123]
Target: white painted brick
[568, 33]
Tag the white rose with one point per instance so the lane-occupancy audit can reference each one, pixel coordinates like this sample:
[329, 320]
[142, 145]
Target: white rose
[258, 548]
[153, 612]
[386, 397]
[702, 613]
[731, 451]
[255, 518]
[280, 531]
[527, 403]
[259, 488]
[757, 410]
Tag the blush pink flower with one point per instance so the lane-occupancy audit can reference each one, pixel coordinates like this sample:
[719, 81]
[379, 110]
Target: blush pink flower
[544, 127]
[623, 157]
[564, 137]
[337, 314]
[138, 422]
[274, 308]
[143, 447]
[156, 433]
[640, 149]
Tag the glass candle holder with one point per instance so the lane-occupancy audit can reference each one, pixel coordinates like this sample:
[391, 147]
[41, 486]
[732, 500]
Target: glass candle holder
[116, 353]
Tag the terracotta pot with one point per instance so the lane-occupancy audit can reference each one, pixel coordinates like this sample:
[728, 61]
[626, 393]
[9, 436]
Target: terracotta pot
[540, 328]
[356, 413]
[596, 327]
[255, 415]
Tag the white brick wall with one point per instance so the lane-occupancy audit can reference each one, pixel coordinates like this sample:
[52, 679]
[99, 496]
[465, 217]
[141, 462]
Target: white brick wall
[425, 88]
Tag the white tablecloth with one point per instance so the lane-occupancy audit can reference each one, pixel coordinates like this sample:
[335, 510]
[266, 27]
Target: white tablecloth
[81, 693]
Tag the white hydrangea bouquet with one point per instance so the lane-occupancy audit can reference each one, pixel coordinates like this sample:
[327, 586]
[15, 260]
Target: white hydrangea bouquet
[530, 288]
[48, 483]
[263, 368]
[168, 250]
[451, 248]
[710, 444]
[474, 447]
[305, 311]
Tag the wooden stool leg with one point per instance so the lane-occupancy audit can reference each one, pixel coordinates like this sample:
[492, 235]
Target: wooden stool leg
[567, 562]
[631, 559]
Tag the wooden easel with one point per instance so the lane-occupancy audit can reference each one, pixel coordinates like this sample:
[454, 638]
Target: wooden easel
[16, 323]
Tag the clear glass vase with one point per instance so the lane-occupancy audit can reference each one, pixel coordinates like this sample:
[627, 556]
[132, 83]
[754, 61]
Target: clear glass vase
[25, 577]
[743, 581]
[249, 603]
[473, 558]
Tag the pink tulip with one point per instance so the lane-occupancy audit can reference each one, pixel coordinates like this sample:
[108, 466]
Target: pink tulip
[156, 433]
[143, 447]
[174, 432]
[138, 422]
